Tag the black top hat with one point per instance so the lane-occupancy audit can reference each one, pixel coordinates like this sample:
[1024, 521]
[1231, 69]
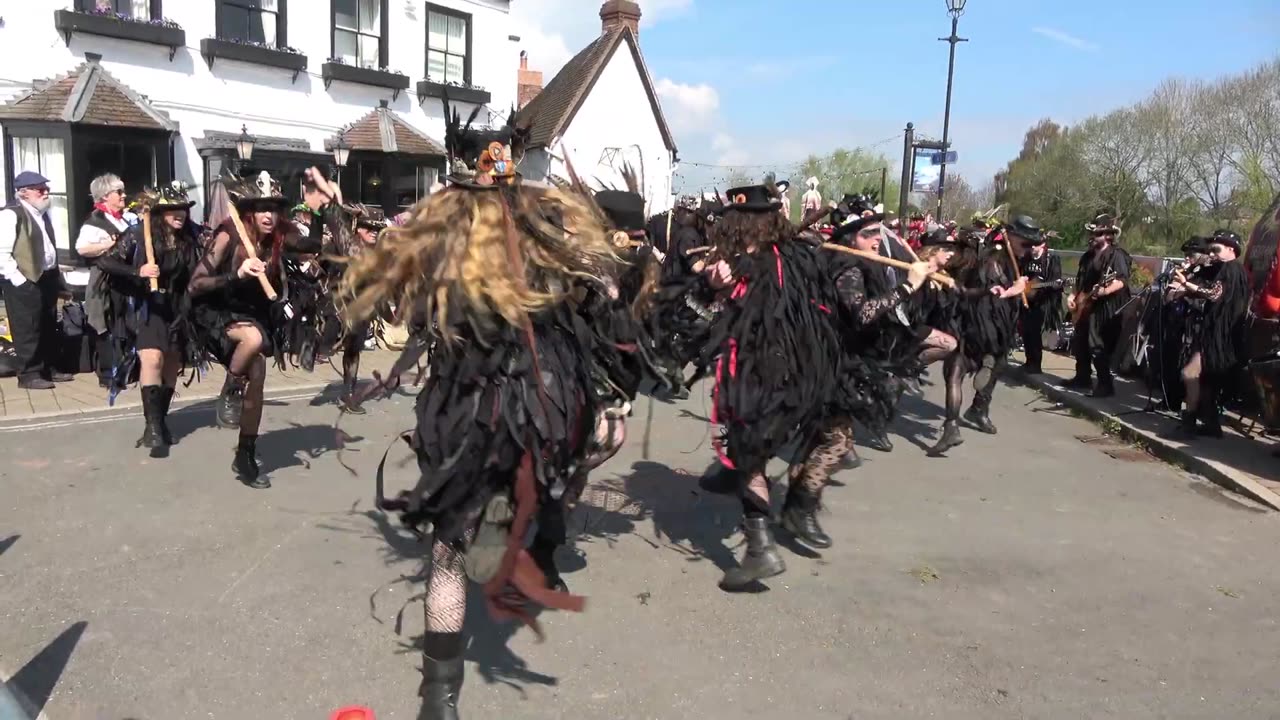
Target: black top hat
[624, 209]
[1196, 244]
[782, 185]
[371, 217]
[1104, 224]
[257, 192]
[940, 236]
[170, 197]
[1226, 237]
[481, 158]
[855, 225]
[752, 198]
[1026, 228]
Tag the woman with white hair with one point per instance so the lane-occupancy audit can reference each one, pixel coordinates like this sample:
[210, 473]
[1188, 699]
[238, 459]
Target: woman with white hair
[98, 235]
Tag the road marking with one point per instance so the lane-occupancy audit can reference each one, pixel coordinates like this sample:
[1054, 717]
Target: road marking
[261, 560]
[130, 414]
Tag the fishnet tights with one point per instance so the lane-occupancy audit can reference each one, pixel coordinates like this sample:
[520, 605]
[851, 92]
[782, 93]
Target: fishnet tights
[835, 441]
[446, 602]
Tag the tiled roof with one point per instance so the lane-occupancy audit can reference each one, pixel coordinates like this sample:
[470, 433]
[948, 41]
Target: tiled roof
[217, 139]
[89, 95]
[553, 109]
[382, 130]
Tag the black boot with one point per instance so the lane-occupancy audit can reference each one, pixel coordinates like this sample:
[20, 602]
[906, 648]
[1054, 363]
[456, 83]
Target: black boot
[245, 464]
[950, 438]
[151, 409]
[349, 402]
[1187, 426]
[1210, 418]
[761, 559]
[231, 401]
[979, 414]
[166, 399]
[1104, 389]
[543, 552]
[440, 689]
[879, 439]
[1079, 382]
[800, 518]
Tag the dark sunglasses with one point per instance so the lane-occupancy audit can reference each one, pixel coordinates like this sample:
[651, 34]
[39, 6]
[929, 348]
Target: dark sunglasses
[869, 233]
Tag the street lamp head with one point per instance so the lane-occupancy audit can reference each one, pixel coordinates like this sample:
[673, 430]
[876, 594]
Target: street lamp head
[341, 151]
[955, 7]
[244, 144]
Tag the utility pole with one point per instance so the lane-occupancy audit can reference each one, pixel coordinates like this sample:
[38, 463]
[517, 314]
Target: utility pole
[956, 9]
[908, 141]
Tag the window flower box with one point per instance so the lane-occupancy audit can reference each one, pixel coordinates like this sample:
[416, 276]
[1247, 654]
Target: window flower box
[334, 70]
[457, 93]
[286, 58]
[155, 32]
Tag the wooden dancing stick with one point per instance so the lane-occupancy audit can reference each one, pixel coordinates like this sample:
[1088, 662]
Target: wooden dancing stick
[936, 277]
[150, 248]
[1008, 246]
[249, 249]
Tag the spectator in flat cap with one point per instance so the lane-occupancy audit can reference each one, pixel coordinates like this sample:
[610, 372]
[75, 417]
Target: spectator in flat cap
[31, 281]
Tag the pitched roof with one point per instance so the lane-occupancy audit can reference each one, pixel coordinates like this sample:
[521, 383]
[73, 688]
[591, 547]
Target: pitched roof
[221, 140]
[382, 130]
[554, 108]
[88, 95]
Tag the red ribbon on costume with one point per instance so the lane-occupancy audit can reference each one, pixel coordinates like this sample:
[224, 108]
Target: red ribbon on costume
[117, 214]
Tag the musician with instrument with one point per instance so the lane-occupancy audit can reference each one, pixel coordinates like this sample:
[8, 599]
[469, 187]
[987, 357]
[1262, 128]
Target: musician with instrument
[1043, 313]
[144, 285]
[1213, 335]
[1102, 290]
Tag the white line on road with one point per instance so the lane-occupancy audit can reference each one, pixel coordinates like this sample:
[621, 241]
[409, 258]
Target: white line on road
[127, 415]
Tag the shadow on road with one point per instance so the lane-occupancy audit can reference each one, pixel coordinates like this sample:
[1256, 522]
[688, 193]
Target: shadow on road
[8, 542]
[35, 682]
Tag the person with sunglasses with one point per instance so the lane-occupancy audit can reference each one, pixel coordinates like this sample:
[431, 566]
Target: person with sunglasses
[1218, 300]
[31, 281]
[98, 235]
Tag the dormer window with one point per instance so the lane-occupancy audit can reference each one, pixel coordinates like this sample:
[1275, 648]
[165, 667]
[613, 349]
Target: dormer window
[360, 32]
[448, 45]
[260, 22]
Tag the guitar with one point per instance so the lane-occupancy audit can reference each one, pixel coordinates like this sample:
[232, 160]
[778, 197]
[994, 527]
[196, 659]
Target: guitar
[1084, 300]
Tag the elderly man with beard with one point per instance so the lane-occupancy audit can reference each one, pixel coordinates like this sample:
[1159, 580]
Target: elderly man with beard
[31, 281]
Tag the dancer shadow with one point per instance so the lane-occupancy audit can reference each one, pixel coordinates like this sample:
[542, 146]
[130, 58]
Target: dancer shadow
[684, 518]
[8, 542]
[34, 683]
[297, 445]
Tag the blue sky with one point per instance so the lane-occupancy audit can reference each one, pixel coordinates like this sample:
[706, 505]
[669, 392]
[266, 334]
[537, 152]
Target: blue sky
[753, 82]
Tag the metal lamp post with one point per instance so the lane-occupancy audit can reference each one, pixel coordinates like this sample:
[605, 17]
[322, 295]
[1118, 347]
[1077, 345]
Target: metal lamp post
[244, 148]
[955, 8]
[341, 152]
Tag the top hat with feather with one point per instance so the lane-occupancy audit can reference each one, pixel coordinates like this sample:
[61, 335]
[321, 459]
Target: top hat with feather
[256, 193]
[173, 196]
[753, 198]
[482, 158]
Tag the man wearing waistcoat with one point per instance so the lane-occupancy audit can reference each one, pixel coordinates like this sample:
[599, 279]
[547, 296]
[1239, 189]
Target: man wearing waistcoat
[31, 281]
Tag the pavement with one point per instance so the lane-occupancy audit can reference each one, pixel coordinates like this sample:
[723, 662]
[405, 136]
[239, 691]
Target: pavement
[1241, 461]
[1045, 572]
[83, 398]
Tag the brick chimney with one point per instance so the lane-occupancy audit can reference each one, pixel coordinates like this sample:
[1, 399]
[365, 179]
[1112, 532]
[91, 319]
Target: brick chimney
[528, 82]
[617, 14]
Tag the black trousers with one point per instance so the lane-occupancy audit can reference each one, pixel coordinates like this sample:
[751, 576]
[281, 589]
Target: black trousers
[33, 321]
[1033, 334]
[1096, 346]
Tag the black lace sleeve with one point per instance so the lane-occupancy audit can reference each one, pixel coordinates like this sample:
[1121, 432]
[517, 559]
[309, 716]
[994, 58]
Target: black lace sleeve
[119, 261]
[851, 287]
[206, 278]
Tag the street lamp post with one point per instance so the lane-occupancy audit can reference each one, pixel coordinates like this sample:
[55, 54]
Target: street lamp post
[955, 8]
[341, 152]
[244, 148]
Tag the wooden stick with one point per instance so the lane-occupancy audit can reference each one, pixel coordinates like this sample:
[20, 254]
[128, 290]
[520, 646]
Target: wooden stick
[151, 250]
[249, 249]
[1008, 246]
[696, 250]
[936, 277]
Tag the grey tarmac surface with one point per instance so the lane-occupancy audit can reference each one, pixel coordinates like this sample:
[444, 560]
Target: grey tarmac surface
[1028, 575]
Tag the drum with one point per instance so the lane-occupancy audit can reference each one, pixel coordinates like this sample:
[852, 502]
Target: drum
[1263, 344]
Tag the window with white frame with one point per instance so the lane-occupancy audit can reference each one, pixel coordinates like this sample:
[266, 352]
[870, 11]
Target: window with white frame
[253, 21]
[357, 32]
[45, 156]
[448, 45]
[141, 10]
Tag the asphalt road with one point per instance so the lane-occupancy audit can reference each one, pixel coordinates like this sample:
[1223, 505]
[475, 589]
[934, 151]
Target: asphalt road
[1029, 575]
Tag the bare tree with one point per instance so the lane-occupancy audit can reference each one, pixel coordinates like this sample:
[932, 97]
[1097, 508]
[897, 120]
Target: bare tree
[1209, 171]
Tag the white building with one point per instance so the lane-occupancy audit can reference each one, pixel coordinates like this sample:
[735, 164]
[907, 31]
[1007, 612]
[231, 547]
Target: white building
[127, 93]
[601, 112]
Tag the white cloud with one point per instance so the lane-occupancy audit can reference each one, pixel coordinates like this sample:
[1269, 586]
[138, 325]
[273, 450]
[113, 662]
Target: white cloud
[689, 108]
[552, 31]
[1065, 39]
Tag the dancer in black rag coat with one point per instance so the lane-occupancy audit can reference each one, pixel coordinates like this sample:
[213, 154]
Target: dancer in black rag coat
[151, 330]
[776, 354]
[1213, 336]
[485, 272]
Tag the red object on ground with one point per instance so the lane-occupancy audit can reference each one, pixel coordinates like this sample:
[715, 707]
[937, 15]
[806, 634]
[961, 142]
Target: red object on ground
[352, 712]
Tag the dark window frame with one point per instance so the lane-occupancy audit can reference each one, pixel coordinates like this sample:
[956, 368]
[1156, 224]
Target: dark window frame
[384, 33]
[282, 20]
[471, 27]
[89, 6]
